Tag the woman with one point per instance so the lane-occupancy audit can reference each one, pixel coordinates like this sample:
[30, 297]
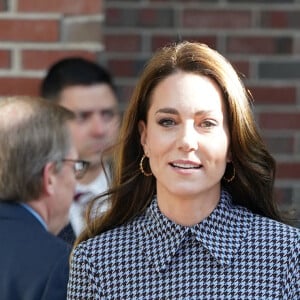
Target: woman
[192, 214]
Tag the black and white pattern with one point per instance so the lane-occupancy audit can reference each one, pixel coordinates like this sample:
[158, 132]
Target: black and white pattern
[233, 254]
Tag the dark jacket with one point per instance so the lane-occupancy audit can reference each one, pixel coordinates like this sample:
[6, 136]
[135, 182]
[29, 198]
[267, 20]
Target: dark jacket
[33, 263]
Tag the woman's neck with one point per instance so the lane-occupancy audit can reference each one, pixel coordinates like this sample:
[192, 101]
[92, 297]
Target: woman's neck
[188, 211]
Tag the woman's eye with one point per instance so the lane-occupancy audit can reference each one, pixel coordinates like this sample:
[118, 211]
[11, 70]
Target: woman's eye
[207, 124]
[166, 122]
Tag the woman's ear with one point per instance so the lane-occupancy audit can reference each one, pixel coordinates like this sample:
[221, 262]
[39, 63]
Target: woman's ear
[143, 133]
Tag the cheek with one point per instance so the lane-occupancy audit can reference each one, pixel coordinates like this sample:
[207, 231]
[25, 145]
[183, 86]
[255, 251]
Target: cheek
[216, 148]
[159, 144]
[221, 152]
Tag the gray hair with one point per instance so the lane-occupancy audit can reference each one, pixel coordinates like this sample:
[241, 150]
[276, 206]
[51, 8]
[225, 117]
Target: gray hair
[33, 132]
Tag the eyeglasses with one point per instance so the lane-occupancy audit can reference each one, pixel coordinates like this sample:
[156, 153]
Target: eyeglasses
[79, 166]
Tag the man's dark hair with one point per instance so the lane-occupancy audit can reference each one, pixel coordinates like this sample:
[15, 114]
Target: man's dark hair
[73, 71]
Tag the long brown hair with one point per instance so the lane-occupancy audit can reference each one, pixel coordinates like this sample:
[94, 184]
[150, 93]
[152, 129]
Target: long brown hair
[132, 192]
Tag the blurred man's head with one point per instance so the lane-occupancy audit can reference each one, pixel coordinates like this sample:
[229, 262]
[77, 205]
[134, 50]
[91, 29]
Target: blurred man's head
[87, 89]
[36, 140]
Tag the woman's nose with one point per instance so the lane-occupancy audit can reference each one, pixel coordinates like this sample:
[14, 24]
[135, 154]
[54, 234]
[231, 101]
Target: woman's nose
[188, 138]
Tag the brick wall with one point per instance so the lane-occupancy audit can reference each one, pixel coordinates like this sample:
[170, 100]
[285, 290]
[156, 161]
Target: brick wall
[35, 33]
[260, 37]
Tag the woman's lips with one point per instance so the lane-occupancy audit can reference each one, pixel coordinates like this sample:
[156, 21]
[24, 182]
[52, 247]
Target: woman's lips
[185, 165]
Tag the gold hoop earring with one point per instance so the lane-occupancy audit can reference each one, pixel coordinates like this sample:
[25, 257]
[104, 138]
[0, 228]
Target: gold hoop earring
[142, 168]
[232, 176]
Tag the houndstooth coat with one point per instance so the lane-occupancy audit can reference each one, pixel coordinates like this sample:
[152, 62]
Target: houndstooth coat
[233, 254]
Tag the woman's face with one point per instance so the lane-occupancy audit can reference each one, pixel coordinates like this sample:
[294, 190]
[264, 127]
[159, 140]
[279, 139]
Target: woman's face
[186, 137]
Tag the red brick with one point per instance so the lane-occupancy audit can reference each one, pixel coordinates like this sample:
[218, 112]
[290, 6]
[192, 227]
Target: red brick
[271, 95]
[290, 121]
[113, 16]
[259, 45]
[42, 59]
[142, 17]
[242, 68]
[216, 18]
[288, 170]
[161, 18]
[280, 19]
[210, 40]
[159, 41]
[274, 19]
[29, 30]
[122, 43]
[19, 86]
[5, 57]
[148, 16]
[123, 67]
[79, 7]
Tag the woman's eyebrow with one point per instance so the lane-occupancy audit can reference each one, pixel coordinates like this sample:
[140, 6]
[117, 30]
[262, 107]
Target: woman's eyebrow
[167, 110]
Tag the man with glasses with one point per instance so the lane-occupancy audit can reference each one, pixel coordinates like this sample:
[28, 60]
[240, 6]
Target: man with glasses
[88, 90]
[38, 170]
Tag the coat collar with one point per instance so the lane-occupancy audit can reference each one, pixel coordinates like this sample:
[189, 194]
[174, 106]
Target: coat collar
[221, 233]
